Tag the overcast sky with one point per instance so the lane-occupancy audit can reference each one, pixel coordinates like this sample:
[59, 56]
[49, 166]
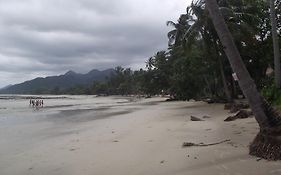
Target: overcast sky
[50, 37]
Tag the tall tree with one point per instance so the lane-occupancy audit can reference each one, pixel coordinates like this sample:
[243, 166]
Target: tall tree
[176, 35]
[276, 50]
[266, 144]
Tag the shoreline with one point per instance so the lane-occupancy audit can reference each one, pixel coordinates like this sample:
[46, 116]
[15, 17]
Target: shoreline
[146, 140]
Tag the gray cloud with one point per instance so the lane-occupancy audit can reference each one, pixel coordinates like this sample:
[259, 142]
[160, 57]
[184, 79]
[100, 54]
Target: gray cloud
[49, 37]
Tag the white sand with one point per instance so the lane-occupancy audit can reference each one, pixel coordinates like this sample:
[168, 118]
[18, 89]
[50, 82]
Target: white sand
[146, 141]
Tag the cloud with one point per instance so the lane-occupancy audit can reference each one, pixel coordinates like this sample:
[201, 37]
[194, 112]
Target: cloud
[48, 37]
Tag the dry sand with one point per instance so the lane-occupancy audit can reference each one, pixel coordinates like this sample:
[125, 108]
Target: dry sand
[145, 140]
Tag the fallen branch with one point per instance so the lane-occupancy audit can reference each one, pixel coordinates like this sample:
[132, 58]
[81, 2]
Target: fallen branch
[189, 144]
[239, 115]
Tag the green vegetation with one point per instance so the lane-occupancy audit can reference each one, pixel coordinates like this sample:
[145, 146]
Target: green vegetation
[194, 65]
[271, 92]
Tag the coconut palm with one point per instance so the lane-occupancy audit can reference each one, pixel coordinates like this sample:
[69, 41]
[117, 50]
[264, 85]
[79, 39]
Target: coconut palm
[200, 27]
[275, 45]
[266, 144]
[176, 35]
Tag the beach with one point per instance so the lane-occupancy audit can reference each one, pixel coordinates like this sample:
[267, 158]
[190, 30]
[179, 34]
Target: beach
[125, 136]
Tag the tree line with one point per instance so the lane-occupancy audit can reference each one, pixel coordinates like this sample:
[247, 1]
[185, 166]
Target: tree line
[194, 65]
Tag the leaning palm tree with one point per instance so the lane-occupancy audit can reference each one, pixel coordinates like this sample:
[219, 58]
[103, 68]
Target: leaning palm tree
[276, 51]
[267, 143]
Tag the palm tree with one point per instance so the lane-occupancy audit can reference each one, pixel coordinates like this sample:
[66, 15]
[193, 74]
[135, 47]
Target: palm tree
[277, 71]
[175, 36]
[266, 144]
[201, 27]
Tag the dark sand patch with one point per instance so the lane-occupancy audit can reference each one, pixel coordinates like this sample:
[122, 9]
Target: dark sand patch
[86, 115]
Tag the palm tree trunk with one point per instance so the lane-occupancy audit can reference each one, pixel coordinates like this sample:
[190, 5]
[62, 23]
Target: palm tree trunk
[224, 81]
[208, 86]
[277, 71]
[226, 90]
[267, 143]
[245, 81]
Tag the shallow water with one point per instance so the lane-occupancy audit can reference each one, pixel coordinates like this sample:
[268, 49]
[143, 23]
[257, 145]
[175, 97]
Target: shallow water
[16, 107]
[19, 119]
[23, 127]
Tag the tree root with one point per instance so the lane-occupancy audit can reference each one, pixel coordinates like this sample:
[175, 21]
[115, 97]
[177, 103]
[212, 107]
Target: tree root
[267, 143]
[266, 146]
[189, 144]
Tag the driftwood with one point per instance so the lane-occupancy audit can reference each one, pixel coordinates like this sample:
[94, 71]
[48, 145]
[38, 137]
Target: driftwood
[192, 118]
[239, 115]
[206, 116]
[189, 144]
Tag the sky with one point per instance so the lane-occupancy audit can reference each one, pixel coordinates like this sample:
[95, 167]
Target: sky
[40, 38]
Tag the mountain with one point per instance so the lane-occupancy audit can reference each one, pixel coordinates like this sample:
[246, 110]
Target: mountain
[68, 80]
[6, 87]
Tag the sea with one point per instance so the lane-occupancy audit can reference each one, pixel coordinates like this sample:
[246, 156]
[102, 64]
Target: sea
[24, 127]
[18, 106]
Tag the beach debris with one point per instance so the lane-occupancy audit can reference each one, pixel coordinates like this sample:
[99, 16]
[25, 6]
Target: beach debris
[234, 107]
[162, 161]
[189, 144]
[193, 118]
[239, 115]
[206, 116]
[213, 100]
[195, 157]
[115, 141]
[209, 100]
[258, 159]
[171, 99]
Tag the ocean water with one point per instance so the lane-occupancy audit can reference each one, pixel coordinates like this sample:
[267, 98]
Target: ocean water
[24, 128]
[22, 125]
[17, 114]
[18, 105]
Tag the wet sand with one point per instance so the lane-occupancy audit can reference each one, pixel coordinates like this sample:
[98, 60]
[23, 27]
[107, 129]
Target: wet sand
[135, 139]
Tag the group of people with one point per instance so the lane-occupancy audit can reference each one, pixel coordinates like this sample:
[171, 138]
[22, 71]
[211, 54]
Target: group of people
[36, 103]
